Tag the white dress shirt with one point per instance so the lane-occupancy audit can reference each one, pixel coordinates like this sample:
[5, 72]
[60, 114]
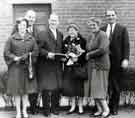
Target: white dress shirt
[109, 28]
[54, 33]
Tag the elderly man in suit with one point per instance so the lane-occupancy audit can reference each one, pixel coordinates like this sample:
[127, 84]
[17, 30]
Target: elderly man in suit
[49, 68]
[30, 15]
[119, 56]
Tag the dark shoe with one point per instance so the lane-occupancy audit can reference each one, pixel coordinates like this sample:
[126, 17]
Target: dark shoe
[46, 114]
[94, 115]
[55, 112]
[80, 113]
[114, 113]
[33, 112]
[106, 116]
[68, 113]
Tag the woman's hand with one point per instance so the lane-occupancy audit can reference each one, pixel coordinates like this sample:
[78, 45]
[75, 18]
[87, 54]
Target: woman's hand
[51, 55]
[87, 56]
[24, 57]
[74, 59]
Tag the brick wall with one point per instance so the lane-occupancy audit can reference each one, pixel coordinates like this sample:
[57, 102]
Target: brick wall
[79, 11]
[5, 27]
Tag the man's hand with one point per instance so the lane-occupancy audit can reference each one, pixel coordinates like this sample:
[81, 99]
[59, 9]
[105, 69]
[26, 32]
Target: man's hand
[51, 55]
[17, 58]
[124, 63]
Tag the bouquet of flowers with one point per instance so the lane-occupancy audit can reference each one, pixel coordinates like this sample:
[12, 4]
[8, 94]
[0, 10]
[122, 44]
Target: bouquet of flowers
[74, 51]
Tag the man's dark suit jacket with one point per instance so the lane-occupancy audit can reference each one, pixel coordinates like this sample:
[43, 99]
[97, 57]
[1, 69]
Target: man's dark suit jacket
[49, 71]
[119, 46]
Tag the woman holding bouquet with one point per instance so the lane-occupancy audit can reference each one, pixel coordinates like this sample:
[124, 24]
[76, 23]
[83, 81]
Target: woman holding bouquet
[74, 48]
[19, 48]
[98, 60]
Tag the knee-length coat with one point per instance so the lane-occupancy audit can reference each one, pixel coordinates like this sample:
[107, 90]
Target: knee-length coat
[98, 63]
[49, 72]
[72, 84]
[18, 74]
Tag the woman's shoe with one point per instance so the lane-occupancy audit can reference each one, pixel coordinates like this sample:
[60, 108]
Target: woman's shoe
[81, 113]
[97, 114]
[18, 116]
[25, 115]
[70, 112]
[106, 115]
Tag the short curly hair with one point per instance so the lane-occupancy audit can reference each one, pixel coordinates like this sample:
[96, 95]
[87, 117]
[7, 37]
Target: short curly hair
[73, 25]
[18, 21]
[94, 19]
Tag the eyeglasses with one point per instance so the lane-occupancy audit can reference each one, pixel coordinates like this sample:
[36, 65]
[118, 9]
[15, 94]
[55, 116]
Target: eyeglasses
[92, 25]
[108, 15]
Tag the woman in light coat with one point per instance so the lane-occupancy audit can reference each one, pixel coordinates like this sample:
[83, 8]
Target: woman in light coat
[98, 60]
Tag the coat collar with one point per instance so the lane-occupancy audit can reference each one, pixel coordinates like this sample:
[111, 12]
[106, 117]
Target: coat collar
[17, 36]
[116, 28]
[51, 34]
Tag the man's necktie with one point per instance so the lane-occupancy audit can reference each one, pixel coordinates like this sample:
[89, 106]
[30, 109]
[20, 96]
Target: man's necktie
[111, 33]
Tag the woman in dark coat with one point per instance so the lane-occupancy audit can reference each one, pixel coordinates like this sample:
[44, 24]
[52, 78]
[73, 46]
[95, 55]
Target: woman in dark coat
[98, 61]
[74, 47]
[20, 53]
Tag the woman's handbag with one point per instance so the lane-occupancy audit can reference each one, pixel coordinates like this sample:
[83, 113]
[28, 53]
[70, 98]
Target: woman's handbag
[80, 72]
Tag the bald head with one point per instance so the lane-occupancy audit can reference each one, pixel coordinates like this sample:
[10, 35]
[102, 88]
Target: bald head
[31, 16]
[54, 15]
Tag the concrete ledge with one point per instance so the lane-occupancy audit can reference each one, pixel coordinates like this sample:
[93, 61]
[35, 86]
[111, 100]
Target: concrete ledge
[31, 1]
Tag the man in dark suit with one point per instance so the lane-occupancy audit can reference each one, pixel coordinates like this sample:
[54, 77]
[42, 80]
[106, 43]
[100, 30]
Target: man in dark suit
[33, 96]
[49, 68]
[119, 56]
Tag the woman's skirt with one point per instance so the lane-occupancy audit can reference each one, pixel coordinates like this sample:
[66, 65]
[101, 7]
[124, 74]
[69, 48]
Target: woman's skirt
[99, 84]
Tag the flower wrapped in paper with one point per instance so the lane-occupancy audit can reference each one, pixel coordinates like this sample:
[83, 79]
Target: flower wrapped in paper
[73, 53]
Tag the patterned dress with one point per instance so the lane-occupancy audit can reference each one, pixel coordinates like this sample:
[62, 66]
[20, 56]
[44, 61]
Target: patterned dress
[73, 85]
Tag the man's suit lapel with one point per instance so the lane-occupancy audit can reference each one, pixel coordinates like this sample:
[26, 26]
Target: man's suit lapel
[58, 36]
[115, 31]
[52, 38]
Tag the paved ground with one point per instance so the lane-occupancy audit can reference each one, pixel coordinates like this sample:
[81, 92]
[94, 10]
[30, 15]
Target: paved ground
[127, 112]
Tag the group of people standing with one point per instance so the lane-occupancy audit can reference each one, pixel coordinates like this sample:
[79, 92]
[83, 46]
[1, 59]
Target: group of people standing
[46, 62]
